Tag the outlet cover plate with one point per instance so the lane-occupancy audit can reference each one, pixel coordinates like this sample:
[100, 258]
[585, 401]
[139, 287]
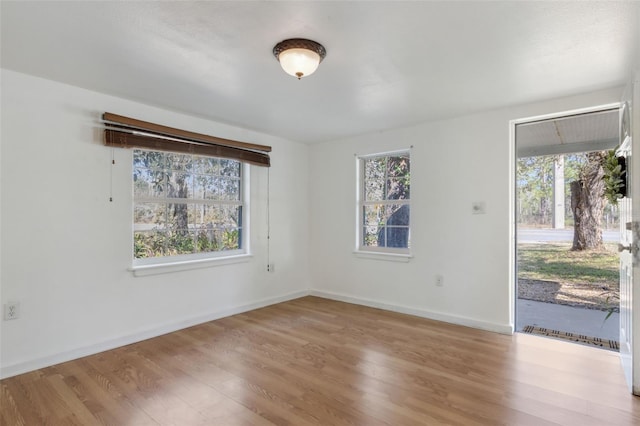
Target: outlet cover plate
[11, 311]
[478, 207]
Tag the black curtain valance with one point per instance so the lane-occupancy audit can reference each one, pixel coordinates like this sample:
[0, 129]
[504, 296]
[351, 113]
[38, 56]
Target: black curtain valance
[125, 132]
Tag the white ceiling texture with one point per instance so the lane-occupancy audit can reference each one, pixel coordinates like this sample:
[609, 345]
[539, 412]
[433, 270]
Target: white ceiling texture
[389, 64]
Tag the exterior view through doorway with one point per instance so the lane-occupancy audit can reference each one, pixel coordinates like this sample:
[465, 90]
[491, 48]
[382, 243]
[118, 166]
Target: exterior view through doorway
[567, 232]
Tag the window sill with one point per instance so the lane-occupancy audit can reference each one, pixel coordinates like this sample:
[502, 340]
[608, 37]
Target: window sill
[186, 265]
[389, 257]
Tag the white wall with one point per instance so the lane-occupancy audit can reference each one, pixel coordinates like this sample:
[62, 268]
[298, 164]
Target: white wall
[66, 248]
[453, 164]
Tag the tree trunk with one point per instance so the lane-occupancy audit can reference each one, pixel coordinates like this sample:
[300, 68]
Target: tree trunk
[179, 189]
[587, 204]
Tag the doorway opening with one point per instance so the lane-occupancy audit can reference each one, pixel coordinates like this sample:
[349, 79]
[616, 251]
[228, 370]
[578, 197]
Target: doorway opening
[567, 233]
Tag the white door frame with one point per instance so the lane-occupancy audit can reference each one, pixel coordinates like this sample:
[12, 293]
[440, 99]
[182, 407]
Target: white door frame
[513, 223]
[634, 96]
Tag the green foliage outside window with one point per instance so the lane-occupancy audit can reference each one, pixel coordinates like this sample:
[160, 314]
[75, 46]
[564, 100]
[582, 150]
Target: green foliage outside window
[155, 244]
[185, 204]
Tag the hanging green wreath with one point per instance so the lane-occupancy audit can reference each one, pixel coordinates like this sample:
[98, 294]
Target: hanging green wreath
[615, 179]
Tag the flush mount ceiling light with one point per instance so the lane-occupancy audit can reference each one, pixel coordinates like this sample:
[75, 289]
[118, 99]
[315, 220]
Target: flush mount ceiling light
[299, 57]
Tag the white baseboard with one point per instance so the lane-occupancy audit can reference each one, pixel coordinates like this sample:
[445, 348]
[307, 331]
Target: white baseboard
[438, 316]
[46, 361]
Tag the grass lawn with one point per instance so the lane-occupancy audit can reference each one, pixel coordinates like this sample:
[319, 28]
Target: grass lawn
[556, 262]
[553, 273]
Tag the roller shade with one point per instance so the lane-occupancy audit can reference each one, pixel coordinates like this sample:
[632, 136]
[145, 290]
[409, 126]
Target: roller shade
[125, 132]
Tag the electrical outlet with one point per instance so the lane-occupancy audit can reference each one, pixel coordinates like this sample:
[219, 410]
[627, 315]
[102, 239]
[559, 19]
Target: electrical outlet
[11, 311]
[439, 280]
[271, 267]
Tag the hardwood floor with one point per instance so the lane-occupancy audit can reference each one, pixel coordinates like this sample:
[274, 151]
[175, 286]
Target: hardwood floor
[313, 361]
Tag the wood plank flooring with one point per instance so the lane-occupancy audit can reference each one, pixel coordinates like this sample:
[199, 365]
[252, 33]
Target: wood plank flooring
[313, 361]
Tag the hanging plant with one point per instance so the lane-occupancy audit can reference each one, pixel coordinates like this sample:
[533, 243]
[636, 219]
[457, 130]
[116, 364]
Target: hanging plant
[615, 177]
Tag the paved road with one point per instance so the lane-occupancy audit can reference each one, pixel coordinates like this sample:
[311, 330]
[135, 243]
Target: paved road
[543, 235]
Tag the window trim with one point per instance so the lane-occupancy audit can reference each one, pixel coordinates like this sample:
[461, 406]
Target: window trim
[368, 252]
[187, 265]
[157, 265]
[390, 257]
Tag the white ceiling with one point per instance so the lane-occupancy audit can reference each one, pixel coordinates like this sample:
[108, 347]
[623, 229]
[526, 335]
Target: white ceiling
[388, 65]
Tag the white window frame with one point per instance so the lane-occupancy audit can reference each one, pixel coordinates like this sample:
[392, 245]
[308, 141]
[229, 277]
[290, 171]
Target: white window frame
[384, 253]
[152, 265]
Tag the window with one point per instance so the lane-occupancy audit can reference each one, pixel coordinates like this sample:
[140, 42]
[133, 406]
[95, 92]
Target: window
[384, 206]
[186, 206]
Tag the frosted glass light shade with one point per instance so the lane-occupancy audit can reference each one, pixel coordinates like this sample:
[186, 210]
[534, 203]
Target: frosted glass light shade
[299, 57]
[299, 62]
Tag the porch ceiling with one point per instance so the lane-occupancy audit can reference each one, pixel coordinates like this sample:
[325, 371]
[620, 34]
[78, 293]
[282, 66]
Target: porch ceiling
[594, 131]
